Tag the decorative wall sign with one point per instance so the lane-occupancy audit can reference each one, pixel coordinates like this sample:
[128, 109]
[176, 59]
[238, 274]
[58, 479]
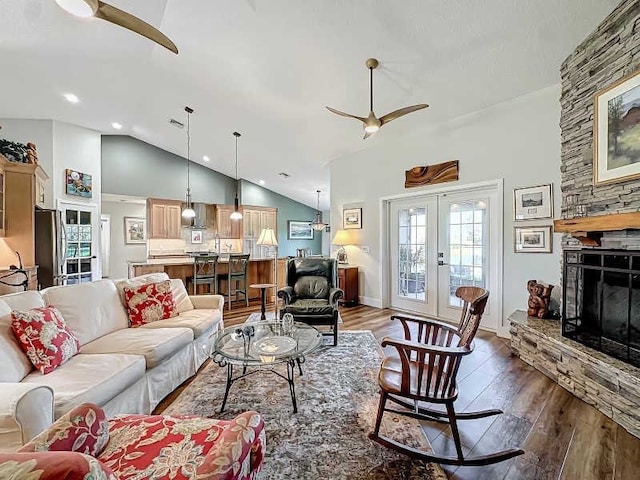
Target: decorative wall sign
[299, 230]
[431, 174]
[135, 230]
[533, 239]
[532, 202]
[196, 236]
[78, 183]
[616, 132]
[352, 218]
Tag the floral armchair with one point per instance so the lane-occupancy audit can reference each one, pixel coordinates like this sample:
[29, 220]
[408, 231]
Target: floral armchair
[84, 444]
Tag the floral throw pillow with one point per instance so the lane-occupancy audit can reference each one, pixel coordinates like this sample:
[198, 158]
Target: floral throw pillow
[150, 303]
[44, 337]
[53, 466]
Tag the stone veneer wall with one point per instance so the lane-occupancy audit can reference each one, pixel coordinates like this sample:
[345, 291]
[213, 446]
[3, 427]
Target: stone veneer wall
[608, 54]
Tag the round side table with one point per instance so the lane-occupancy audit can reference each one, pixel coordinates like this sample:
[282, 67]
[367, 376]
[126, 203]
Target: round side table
[263, 295]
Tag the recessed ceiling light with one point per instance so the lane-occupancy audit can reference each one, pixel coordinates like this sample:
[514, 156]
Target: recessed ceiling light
[116, 125]
[71, 98]
[261, 182]
[206, 158]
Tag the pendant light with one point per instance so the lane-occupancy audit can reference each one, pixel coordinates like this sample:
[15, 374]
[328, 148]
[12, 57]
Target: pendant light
[317, 224]
[236, 215]
[188, 211]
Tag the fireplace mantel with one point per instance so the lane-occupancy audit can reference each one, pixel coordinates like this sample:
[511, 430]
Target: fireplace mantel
[588, 230]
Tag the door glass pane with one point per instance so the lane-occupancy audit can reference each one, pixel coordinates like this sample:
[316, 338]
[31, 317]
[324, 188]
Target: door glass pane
[467, 247]
[412, 263]
[79, 237]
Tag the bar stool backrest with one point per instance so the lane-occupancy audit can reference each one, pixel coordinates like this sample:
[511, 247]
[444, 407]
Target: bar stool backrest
[238, 263]
[205, 267]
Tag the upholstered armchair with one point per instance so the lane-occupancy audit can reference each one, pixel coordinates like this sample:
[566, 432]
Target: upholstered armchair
[311, 294]
[85, 444]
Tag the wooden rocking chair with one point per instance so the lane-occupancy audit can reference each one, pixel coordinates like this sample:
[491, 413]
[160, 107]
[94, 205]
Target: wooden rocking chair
[425, 369]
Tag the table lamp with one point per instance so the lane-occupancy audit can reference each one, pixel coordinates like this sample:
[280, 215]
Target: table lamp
[342, 238]
[268, 239]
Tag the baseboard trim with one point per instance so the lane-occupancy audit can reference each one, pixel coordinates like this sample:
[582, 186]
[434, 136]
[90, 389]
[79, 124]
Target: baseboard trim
[371, 302]
[503, 332]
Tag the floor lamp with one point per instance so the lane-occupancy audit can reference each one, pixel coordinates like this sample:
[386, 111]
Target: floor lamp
[268, 239]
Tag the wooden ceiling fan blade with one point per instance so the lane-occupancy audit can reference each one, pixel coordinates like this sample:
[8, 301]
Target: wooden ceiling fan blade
[338, 112]
[401, 112]
[126, 20]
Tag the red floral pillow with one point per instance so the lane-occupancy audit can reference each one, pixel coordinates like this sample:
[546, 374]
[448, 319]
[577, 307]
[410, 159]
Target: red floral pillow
[44, 337]
[149, 303]
[53, 466]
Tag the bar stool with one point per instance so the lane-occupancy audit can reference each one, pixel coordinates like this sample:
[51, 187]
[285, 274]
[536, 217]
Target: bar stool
[238, 265]
[205, 272]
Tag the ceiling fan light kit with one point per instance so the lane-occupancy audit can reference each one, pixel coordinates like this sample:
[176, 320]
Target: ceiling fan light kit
[111, 14]
[371, 122]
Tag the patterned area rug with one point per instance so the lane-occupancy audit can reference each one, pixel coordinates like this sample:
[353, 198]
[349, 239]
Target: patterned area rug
[337, 405]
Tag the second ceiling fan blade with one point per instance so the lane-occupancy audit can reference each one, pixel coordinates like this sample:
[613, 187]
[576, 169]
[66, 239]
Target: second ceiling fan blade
[126, 20]
[401, 112]
[338, 112]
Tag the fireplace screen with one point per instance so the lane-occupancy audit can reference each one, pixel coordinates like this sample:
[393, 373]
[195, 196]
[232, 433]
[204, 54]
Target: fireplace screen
[601, 301]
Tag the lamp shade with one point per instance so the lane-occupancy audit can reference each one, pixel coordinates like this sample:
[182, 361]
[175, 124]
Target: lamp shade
[342, 237]
[267, 238]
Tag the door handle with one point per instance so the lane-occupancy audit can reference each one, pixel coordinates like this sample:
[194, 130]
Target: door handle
[441, 263]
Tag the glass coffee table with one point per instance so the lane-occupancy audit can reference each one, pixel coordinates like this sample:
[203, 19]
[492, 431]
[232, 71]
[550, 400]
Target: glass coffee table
[260, 347]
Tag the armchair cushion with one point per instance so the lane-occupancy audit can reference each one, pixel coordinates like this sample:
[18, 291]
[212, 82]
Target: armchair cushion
[310, 306]
[311, 287]
[287, 294]
[53, 466]
[83, 429]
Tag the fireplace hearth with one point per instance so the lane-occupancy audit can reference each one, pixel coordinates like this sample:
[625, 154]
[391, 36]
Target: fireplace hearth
[601, 301]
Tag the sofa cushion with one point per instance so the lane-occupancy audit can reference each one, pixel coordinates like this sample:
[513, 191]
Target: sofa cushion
[44, 337]
[149, 303]
[90, 309]
[90, 378]
[199, 321]
[311, 287]
[180, 296]
[155, 347]
[53, 466]
[24, 300]
[15, 364]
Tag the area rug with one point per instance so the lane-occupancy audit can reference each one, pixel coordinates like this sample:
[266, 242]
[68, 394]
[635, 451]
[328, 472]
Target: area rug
[337, 404]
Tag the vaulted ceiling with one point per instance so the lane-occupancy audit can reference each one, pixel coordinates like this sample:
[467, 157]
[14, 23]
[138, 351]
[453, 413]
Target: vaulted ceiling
[267, 68]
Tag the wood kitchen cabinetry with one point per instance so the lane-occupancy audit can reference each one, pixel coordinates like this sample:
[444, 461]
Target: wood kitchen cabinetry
[164, 218]
[254, 219]
[348, 282]
[226, 227]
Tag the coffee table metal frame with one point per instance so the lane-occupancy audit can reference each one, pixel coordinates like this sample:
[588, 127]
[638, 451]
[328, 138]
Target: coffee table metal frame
[243, 355]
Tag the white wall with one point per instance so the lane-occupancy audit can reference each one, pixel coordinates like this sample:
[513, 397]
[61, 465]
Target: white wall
[518, 141]
[120, 251]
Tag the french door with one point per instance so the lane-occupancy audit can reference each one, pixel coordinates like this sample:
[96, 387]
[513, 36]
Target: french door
[441, 242]
[81, 238]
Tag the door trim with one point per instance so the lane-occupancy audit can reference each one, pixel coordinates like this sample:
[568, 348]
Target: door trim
[385, 215]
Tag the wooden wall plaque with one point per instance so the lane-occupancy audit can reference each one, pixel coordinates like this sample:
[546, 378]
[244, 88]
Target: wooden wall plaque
[431, 174]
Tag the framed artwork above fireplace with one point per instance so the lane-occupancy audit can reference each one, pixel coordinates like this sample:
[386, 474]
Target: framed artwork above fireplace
[616, 132]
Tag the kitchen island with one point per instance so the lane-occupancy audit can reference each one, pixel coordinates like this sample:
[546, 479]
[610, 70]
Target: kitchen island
[260, 270]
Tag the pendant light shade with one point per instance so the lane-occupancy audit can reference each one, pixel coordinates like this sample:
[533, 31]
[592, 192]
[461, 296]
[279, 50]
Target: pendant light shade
[318, 224]
[236, 215]
[188, 211]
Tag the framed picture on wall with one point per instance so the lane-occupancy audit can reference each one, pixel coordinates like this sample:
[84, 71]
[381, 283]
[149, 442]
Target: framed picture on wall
[533, 239]
[196, 236]
[616, 132]
[78, 183]
[299, 230]
[135, 230]
[533, 202]
[351, 218]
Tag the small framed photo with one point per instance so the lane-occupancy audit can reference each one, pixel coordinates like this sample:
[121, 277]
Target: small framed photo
[533, 239]
[351, 218]
[299, 230]
[135, 230]
[533, 202]
[196, 236]
[78, 183]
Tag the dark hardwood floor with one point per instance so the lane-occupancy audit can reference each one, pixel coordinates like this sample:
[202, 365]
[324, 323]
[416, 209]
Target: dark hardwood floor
[563, 437]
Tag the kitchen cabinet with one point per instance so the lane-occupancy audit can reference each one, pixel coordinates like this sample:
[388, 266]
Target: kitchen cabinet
[348, 282]
[226, 227]
[164, 218]
[251, 222]
[255, 219]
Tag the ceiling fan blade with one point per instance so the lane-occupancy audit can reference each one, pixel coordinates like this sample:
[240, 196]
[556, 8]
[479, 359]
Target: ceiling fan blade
[401, 112]
[119, 17]
[338, 112]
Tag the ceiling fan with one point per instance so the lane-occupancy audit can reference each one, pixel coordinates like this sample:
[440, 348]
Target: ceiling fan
[98, 9]
[372, 123]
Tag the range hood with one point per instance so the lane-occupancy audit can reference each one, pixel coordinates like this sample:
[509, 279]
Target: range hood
[203, 218]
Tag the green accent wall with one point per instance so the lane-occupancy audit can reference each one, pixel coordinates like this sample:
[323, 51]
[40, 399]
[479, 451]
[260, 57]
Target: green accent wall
[252, 194]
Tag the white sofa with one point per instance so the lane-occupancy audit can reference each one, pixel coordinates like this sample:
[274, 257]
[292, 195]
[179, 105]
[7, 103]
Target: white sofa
[121, 369]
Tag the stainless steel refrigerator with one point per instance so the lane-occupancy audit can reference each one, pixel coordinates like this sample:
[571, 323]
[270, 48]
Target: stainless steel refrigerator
[50, 248]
